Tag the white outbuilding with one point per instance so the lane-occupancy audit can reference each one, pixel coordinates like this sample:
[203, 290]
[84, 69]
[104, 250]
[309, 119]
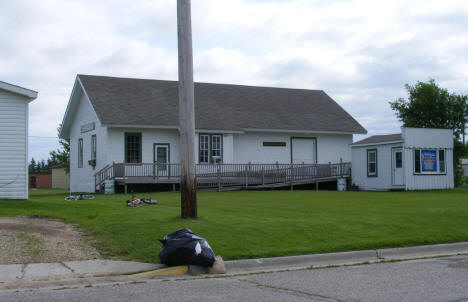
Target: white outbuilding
[415, 159]
[14, 108]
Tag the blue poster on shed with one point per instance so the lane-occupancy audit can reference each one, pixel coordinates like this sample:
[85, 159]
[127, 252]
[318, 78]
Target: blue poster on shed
[429, 160]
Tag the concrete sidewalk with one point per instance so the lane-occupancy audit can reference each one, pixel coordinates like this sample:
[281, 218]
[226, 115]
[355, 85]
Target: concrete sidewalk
[86, 268]
[38, 272]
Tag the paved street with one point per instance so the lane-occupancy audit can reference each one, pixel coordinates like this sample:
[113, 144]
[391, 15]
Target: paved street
[441, 279]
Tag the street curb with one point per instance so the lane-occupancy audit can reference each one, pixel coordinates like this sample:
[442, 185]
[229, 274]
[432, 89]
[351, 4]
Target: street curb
[272, 264]
[169, 271]
[344, 258]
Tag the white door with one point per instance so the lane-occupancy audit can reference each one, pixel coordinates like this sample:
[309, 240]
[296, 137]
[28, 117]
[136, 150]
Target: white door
[397, 166]
[303, 151]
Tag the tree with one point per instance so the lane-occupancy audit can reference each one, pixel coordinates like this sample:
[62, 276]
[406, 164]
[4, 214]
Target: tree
[42, 166]
[61, 156]
[32, 165]
[429, 106]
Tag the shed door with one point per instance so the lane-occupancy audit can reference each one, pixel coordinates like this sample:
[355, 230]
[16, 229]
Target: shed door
[397, 166]
[303, 151]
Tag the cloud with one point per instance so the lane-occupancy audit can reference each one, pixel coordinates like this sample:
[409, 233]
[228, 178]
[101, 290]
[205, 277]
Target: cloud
[361, 52]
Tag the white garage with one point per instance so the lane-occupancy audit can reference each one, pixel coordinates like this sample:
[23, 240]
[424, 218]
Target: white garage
[14, 108]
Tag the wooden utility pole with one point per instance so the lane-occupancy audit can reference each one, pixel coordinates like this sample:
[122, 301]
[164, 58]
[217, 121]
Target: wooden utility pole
[188, 183]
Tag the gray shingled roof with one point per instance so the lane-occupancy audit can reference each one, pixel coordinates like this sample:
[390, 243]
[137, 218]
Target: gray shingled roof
[375, 139]
[126, 101]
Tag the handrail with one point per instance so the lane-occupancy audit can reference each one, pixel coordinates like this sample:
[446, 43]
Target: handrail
[218, 175]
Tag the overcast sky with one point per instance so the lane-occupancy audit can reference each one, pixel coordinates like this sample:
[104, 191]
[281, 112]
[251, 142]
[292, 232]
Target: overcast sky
[360, 52]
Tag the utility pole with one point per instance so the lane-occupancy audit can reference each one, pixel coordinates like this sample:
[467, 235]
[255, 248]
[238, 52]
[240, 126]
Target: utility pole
[188, 182]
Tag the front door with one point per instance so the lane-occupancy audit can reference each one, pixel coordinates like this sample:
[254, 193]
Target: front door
[161, 157]
[397, 166]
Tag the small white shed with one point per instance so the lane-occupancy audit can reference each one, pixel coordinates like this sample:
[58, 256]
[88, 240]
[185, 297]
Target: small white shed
[416, 159]
[14, 105]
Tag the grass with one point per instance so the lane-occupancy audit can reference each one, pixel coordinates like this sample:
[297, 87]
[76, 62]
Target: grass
[31, 246]
[261, 224]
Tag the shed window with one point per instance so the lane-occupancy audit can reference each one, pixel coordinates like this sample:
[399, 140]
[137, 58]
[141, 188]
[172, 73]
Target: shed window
[133, 147]
[442, 161]
[372, 163]
[398, 159]
[417, 161]
[80, 153]
[429, 161]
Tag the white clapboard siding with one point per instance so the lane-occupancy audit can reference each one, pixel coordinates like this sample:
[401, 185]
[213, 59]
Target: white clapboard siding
[13, 145]
[82, 179]
[420, 138]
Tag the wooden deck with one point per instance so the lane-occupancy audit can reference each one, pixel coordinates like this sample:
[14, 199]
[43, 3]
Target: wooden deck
[224, 176]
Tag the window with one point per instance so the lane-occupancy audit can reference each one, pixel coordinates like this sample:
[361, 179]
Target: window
[417, 161]
[80, 153]
[398, 159]
[216, 148]
[372, 163]
[162, 157]
[442, 161]
[210, 148]
[93, 147]
[429, 161]
[133, 147]
[204, 149]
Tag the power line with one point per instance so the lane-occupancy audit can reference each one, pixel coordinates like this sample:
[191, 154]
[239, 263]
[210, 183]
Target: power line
[35, 136]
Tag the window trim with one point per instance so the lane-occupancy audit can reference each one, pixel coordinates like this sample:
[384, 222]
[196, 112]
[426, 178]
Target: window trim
[210, 147]
[168, 151]
[80, 153]
[127, 134]
[376, 163]
[421, 172]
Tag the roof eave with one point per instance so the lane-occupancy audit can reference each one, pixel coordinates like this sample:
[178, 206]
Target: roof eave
[28, 93]
[67, 117]
[379, 143]
[303, 131]
[197, 130]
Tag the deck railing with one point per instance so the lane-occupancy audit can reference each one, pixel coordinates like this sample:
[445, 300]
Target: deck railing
[221, 175]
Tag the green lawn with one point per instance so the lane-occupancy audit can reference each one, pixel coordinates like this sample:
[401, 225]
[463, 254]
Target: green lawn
[260, 224]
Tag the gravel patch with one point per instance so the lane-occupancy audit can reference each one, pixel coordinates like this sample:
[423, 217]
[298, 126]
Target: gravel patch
[36, 240]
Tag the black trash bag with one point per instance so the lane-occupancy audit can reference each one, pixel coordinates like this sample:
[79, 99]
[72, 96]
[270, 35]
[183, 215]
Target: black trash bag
[184, 247]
